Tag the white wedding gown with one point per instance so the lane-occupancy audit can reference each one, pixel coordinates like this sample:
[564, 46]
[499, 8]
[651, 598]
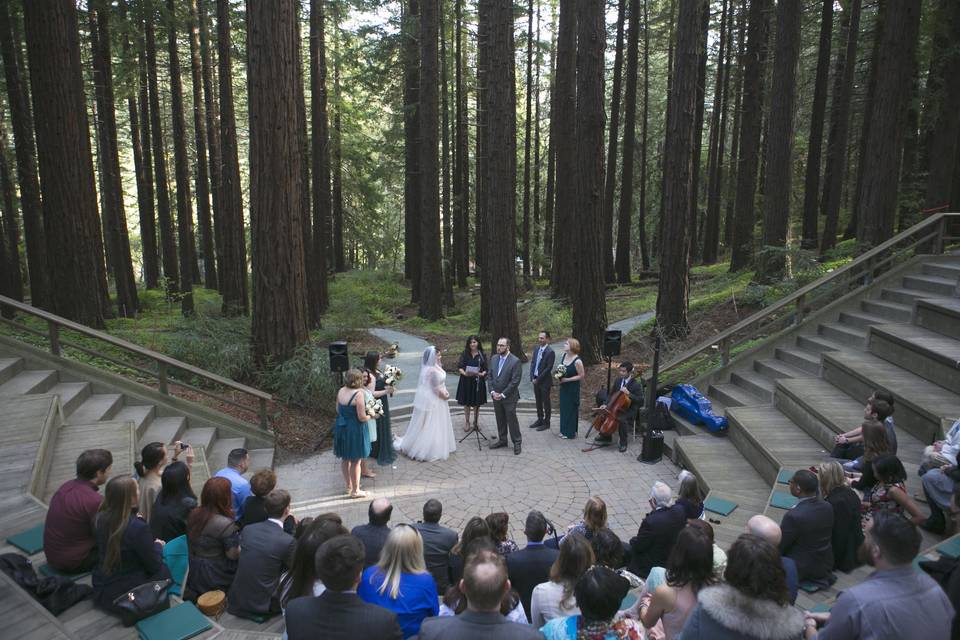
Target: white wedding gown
[429, 435]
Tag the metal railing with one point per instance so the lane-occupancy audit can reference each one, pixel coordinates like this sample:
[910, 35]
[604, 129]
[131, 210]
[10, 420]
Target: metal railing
[929, 236]
[164, 366]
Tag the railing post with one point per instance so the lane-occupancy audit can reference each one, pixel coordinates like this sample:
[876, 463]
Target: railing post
[162, 377]
[941, 231]
[263, 414]
[725, 352]
[798, 312]
[53, 332]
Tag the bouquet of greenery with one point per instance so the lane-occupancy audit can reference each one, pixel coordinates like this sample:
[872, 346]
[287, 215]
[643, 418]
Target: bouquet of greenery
[392, 375]
[560, 372]
[374, 408]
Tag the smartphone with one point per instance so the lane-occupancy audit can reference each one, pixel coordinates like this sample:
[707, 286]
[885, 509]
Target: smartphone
[183, 446]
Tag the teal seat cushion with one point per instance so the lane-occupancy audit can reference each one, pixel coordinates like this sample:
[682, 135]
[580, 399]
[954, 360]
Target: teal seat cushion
[782, 500]
[785, 476]
[719, 505]
[823, 607]
[176, 558]
[178, 623]
[29, 541]
[49, 571]
[951, 547]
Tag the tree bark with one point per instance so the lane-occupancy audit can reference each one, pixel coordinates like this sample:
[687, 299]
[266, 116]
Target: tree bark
[204, 218]
[11, 275]
[528, 130]
[482, 164]
[564, 276]
[320, 142]
[642, 217]
[613, 139]
[811, 185]
[445, 163]
[336, 159]
[537, 254]
[943, 146]
[279, 323]
[624, 244]
[711, 234]
[411, 128]
[461, 177]
[212, 120]
[431, 284]
[550, 194]
[694, 230]
[728, 216]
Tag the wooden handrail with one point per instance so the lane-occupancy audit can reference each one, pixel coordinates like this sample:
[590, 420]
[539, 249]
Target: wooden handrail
[55, 322]
[723, 338]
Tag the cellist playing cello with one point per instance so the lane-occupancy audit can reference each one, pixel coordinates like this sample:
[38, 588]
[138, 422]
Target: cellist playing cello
[634, 389]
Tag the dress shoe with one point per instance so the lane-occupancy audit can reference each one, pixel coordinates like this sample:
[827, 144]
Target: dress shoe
[622, 448]
[536, 424]
[516, 448]
[602, 439]
[499, 444]
[544, 427]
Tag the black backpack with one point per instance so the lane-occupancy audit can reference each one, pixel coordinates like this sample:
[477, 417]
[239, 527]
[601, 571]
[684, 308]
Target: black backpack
[55, 593]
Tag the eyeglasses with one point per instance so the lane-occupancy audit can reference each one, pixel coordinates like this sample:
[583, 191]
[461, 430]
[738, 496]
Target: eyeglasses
[501, 344]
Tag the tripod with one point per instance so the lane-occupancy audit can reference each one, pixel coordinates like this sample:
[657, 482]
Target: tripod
[475, 430]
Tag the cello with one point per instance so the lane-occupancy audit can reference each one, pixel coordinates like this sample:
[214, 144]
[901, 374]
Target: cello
[608, 419]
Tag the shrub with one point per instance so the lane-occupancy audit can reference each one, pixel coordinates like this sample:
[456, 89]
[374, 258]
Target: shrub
[304, 380]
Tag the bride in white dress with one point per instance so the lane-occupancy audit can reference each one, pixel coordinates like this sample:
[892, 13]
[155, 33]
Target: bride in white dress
[429, 435]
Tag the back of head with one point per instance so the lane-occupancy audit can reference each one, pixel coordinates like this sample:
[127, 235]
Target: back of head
[119, 498]
[886, 396]
[276, 502]
[690, 489]
[661, 494]
[236, 457]
[888, 469]
[599, 592]
[881, 409]
[339, 562]
[499, 525]
[475, 528]
[485, 581]
[763, 527]
[535, 527]
[595, 513]
[831, 476]
[874, 439]
[353, 379]
[754, 569]
[215, 499]
[303, 570]
[379, 511]
[806, 482]
[150, 458]
[897, 538]
[704, 526]
[401, 553]
[263, 482]
[607, 548]
[576, 556]
[691, 560]
[370, 361]
[91, 461]
[175, 483]
[432, 511]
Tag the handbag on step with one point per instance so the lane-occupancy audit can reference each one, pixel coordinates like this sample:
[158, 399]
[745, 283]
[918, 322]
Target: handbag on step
[143, 601]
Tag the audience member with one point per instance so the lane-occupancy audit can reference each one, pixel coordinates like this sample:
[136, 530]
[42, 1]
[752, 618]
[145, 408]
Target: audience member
[128, 554]
[850, 445]
[946, 570]
[874, 445]
[943, 451]
[530, 566]
[261, 483]
[847, 529]
[554, 598]
[437, 543]
[173, 504]
[475, 529]
[338, 613]
[400, 581]
[454, 601]
[265, 551]
[890, 491]
[895, 601]
[808, 530]
[594, 518]
[689, 495]
[303, 524]
[598, 592]
[374, 534]
[238, 461]
[153, 460]
[499, 524]
[888, 427]
[68, 532]
[608, 552]
[485, 585]
[752, 603]
[301, 580]
[938, 486]
[658, 531]
[213, 539]
[763, 527]
[719, 555]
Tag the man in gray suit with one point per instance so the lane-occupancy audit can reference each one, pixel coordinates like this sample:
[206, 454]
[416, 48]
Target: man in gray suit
[541, 374]
[265, 551]
[505, 372]
[437, 543]
[484, 583]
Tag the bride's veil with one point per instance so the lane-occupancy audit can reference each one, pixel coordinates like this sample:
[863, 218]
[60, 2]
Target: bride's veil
[425, 392]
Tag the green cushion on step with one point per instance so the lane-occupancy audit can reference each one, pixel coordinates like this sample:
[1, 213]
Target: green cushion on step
[782, 500]
[178, 623]
[951, 547]
[823, 607]
[784, 476]
[47, 570]
[916, 563]
[810, 588]
[719, 505]
[29, 541]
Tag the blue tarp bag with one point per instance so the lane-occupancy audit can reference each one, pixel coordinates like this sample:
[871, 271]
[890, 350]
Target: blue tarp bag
[694, 407]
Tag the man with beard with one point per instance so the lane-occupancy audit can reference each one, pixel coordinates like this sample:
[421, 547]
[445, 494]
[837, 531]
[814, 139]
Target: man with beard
[895, 601]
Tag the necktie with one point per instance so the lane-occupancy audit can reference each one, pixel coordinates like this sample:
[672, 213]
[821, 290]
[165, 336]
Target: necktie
[536, 366]
[500, 366]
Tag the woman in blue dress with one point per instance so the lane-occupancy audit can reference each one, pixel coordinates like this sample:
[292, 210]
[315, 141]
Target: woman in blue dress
[570, 389]
[351, 439]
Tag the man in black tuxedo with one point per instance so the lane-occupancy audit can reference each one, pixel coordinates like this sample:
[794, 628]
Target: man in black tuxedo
[541, 374]
[437, 543]
[374, 534]
[338, 613]
[658, 532]
[632, 387]
[530, 566]
[808, 531]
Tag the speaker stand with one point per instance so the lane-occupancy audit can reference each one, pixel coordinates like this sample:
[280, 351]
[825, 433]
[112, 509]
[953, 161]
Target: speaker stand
[474, 430]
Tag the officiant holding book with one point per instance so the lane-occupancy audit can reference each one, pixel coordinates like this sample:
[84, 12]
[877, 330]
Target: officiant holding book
[472, 387]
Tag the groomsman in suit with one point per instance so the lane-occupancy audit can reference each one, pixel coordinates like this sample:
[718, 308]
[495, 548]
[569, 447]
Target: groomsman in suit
[632, 387]
[505, 372]
[541, 374]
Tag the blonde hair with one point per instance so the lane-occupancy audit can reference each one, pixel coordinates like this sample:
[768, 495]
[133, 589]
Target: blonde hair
[401, 553]
[831, 476]
[574, 346]
[353, 379]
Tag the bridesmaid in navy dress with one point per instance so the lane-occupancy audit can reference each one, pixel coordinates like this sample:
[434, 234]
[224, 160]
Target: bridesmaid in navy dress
[570, 389]
[382, 449]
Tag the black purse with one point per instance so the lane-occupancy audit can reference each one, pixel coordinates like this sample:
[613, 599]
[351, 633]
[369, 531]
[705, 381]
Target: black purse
[143, 601]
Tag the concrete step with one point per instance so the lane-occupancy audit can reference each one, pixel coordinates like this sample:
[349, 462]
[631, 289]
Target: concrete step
[99, 406]
[773, 369]
[950, 271]
[140, 415]
[920, 406]
[116, 437]
[931, 284]
[166, 430]
[731, 395]
[861, 319]
[892, 311]
[926, 353]
[817, 344]
[799, 359]
[903, 296]
[10, 367]
[941, 315]
[29, 381]
[771, 441]
[199, 437]
[261, 459]
[218, 452]
[72, 394]
[846, 335]
[755, 383]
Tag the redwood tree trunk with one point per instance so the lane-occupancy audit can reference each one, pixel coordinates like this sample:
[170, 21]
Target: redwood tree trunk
[811, 185]
[11, 275]
[212, 118]
[445, 163]
[613, 140]
[564, 276]
[943, 146]
[711, 232]
[550, 194]
[204, 218]
[694, 230]
[624, 244]
[528, 130]
[461, 174]
[336, 160]
[320, 142]
[728, 215]
[431, 284]
[411, 129]
[642, 217]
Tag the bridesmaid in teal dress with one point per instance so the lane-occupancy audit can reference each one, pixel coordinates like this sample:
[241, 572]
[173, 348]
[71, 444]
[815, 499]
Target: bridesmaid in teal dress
[570, 389]
[351, 439]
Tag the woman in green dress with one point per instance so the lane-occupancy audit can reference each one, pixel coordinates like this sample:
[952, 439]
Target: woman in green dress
[381, 449]
[570, 389]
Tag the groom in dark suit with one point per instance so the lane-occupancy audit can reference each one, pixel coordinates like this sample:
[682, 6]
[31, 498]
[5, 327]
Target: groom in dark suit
[541, 374]
[505, 372]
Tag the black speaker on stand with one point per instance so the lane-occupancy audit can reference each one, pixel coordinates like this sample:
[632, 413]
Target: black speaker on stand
[339, 358]
[611, 347]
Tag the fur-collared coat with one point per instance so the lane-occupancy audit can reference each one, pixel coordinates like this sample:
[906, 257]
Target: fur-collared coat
[724, 613]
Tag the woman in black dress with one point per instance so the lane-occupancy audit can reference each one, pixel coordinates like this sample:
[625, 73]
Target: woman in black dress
[472, 387]
[382, 449]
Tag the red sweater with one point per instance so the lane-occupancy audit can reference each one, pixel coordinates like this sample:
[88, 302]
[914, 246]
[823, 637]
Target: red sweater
[68, 534]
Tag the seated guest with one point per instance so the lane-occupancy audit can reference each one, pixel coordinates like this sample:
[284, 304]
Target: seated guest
[128, 554]
[658, 531]
[153, 460]
[400, 581]
[68, 533]
[850, 446]
[173, 504]
[719, 555]
[455, 602]
[752, 602]
[890, 491]
[437, 543]
[807, 530]
[374, 534]
[475, 529]
[301, 579]
[594, 518]
[608, 552]
[938, 486]
[266, 550]
[689, 496]
[943, 451]
[847, 530]
[554, 598]
[485, 586]
[238, 461]
[262, 483]
[338, 613]
[213, 540]
[895, 601]
[874, 445]
[530, 566]
[599, 592]
[499, 524]
[763, 527]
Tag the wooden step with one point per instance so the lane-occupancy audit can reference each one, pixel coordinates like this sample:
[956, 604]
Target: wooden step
[861, 319]
[10, 367]
[71, 394]
[29, 381]
[800, 359]
[928, 354]
[950, 271]
[903, 296]
[261, 459]
[139, 415]
[846, 335]
[775, 368]
[892, 311]
[941, 315]
[166, 430]
[931, 284]
[771, 441]
[755, 383]
[731, 395]
[817, 344]
[199, 437]
[24, 617]
[117, 437]
[99, 406]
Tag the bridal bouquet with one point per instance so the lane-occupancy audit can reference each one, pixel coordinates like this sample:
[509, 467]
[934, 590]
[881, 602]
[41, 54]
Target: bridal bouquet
[374, 408]
[392, 375]
[560, 372]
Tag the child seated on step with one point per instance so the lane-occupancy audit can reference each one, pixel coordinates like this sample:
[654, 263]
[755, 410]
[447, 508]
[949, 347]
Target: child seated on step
[849, 445]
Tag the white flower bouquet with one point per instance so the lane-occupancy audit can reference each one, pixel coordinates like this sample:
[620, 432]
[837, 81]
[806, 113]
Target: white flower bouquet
[560, 372]
[374, 408]
[392, 375]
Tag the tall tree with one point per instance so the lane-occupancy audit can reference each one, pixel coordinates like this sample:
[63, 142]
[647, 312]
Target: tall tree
[204, 216]
[750, 121]
[233, 272]
[30, 203]
[624, 244]
[728, 215]
[527, 134]
[564, 275]
[320, 141]
[877, 201]
[482, 164]
[11, 275]
[63, 154]
[678, 151]
[552, 133]
[711, 232]
[212, 119]
[613, 139]
[445, 162]
[694, 230]
[431, 284]
[279, 322]
[943, 146]
[811, 184]
[537, 253]
[461, 174]
[642, 217]
[411, 147]
[336, 156]
[312, 266]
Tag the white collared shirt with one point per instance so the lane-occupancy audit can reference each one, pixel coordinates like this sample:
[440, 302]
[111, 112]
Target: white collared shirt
[277, 522]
